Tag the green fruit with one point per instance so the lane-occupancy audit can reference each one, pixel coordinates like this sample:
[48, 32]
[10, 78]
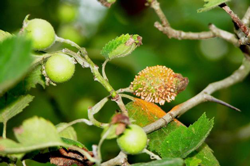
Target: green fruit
[67, 12]
[81, 107]
[133, 140]
[60, 68]
[71, 33]
[41, 33]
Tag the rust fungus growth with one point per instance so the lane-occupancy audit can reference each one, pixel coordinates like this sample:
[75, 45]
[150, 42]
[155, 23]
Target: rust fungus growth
[158, 84]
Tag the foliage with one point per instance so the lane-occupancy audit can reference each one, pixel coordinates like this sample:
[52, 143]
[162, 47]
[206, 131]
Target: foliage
[210, 4]
[22, 69]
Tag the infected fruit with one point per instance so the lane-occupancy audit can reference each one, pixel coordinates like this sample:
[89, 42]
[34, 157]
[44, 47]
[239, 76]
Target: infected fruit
[60, 68]
[40, 32]
[133, 140]
[158, 84]
[121, 46]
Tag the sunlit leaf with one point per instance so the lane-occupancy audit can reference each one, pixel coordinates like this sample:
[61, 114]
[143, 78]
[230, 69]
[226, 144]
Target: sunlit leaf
[203, 154]
[35, 131]
[15, 108]
[145, 113]
[15, 61]
[163, 162]
[183, 141]
[69, 132]
[210, 4]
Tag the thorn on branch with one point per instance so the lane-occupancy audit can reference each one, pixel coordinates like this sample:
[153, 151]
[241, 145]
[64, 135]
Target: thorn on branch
[213, 99]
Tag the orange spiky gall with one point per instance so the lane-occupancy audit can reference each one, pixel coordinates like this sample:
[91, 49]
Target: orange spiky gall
[158, 84]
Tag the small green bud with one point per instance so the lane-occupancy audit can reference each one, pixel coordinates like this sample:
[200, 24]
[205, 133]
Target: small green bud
[121, 46]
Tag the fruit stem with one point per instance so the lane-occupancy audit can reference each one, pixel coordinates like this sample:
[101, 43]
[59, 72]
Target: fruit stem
[97, 76]
[4, 129]
[99, 156]
[86, 121]
[151, 154]
[95, 109]
[103, 69]
[128, 97]
[67, 41]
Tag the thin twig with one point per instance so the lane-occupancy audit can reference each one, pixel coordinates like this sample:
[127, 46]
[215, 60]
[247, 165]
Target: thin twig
[4, 129]
[124, 90]
[128, 97]
[236, 19]
[95, 109]
[224, 35]
[172, 33]
[86, 121]
[103, 69]
[120, 159]
[106, 3]
[180, 109]
[156, 6]
[152, 155]
[178, 34]
[78, 57]
[246, 18]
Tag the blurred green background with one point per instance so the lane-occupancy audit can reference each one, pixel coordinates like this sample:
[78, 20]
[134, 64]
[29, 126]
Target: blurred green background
[92, 26]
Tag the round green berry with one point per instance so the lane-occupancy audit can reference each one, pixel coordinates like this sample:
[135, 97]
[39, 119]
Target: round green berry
[41, 33]
[67, 13]
[133, 140]
[60, 68]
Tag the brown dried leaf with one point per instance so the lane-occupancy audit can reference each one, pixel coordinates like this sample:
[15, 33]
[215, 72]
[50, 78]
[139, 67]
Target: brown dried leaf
[120, 118]
[68, 157]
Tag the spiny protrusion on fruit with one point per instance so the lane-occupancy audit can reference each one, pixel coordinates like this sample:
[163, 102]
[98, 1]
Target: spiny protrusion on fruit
[121, 46]
[158, 84]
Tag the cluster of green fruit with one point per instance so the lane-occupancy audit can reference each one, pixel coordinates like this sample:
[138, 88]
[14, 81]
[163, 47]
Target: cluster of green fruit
[59, 67]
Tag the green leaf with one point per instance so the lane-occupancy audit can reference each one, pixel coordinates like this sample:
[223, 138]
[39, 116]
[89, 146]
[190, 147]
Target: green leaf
[210, 4]
[145, 113]
[205, 154]
[163, 162]
[183, 141]
[4, 35]
[192, 161]
[35, 77]
[34, 134]
[73, 142]
[15, 61]
[36, 131]
[15, 108]
[121, 46]
[157, 136]
[69, 132]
